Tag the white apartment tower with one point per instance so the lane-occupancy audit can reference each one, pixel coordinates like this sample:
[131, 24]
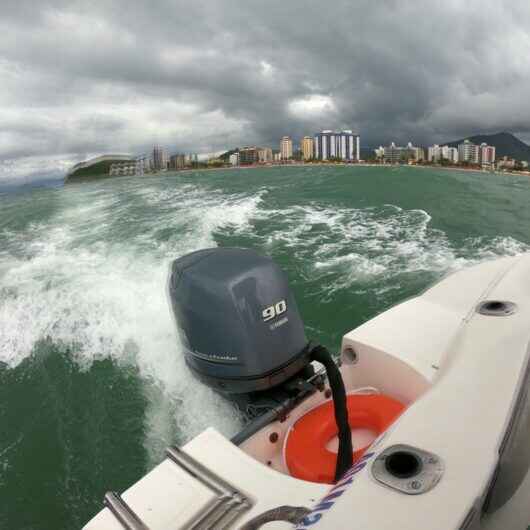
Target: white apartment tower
[286, 148]
[438, 153]
[468, 152]
[159, 158]
[343, 145]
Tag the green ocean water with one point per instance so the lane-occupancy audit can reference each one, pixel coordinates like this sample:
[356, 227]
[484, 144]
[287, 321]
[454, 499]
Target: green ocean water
[92, 383]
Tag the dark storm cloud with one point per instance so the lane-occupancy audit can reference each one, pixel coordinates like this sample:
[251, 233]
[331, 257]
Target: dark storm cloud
[86, 77]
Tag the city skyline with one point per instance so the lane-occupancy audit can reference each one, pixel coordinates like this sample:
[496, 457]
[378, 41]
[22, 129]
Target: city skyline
[297, 142]
[129, 79]
[324, 147]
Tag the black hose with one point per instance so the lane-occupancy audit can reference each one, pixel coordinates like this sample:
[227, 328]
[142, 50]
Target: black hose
[338, 392]
[345, 453]
[262, 421]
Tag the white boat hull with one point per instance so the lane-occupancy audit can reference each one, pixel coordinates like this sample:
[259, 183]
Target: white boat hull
[463, 376]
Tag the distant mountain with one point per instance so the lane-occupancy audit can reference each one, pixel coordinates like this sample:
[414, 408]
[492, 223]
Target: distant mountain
[506, 144]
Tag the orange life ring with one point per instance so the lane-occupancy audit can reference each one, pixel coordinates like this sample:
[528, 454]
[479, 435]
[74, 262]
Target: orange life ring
[305, 450]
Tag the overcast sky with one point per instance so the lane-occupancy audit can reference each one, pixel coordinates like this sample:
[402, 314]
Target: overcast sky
[85, 77]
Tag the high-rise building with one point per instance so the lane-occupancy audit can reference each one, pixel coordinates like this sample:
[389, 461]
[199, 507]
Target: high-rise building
[438, 153]
[451, 154]
[420, 154]
[159, 158]
[413, 153]
[343, 145]
[349, 147]
[286, 148]
[177, 161]
[156, 158]
[468, 152]
[234, 159]
[248, 155]
[307, 147]
[434, 153]
[487, 154]
[393, 154]
[265, 155]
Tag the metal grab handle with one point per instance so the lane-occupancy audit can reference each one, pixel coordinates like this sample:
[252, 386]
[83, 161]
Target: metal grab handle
[123, 512]
[218, 514]
[230, 501]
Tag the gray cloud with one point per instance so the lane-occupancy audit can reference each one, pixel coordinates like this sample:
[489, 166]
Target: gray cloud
[87, 77]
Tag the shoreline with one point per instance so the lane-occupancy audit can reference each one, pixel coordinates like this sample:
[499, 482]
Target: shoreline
[293, 165]
[361, 164]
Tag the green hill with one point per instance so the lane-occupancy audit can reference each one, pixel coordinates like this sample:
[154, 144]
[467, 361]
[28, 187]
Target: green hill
[96, 167]
[506, 144]
[226, 156]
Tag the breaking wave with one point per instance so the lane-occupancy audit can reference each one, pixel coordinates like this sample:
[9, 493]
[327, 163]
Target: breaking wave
[349, 248]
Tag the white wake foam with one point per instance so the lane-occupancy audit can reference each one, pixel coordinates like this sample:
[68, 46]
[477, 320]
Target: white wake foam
[69, 281]
[352, 248]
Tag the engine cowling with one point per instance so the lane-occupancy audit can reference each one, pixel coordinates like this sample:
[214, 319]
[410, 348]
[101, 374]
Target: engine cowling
[238, 319]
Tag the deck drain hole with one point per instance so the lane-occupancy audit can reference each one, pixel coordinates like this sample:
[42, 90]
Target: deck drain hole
[403, 464]
[496, 308]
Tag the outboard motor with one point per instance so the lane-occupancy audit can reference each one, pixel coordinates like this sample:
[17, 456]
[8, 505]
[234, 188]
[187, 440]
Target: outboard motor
[238, 320]
[243, 336]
